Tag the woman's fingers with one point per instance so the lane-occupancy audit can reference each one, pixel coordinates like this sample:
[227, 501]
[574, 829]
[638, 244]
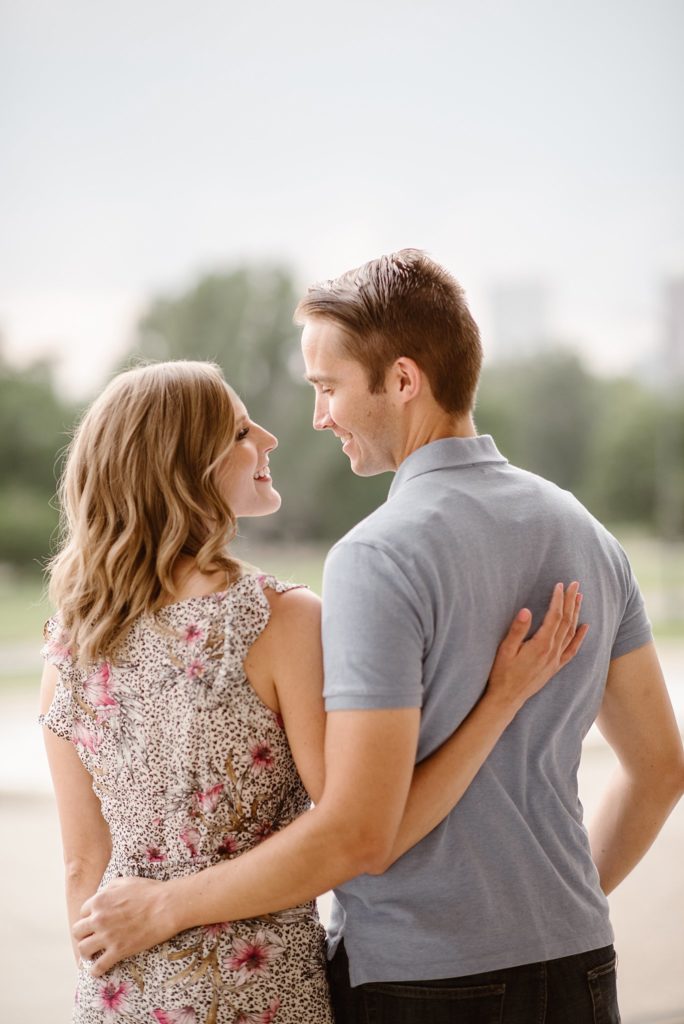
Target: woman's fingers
[574, 645]
[522, 667]
[520, 627]
[89, 947]
[574, 619]
[560, 622]
[570, 616]
[544, 638]
[82, 928]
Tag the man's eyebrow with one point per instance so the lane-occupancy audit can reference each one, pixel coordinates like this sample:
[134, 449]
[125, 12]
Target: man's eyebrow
[316, 379]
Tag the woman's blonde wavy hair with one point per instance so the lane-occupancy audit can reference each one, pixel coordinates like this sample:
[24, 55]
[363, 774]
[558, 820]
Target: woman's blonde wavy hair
[139, 490]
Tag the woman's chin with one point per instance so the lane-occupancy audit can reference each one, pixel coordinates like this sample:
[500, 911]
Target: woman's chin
[277, 502]
[268, 505]
[264, 504]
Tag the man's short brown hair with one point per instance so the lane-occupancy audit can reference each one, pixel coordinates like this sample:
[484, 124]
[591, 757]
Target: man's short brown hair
[404, 304]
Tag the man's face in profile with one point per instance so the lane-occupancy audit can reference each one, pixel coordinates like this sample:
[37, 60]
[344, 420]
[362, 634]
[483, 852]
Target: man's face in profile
[362, 421]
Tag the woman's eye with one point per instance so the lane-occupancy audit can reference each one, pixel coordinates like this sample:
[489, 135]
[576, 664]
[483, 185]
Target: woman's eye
[242, 434]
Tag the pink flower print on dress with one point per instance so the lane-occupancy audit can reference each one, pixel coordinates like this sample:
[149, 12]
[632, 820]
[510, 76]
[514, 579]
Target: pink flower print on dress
[210, 798]
[185, 1016]
[262, 830]
[155, 854]
[105, 714]
[114, 996]
[262, 756]
[253, 957]
[196, 669]
[82, 736]
[278, 719]
[269, 1015]
[212, 931]
[98, 688]
[191, 837]
[58, 645]
[266, 1016]
[228, 846]
[193, 633]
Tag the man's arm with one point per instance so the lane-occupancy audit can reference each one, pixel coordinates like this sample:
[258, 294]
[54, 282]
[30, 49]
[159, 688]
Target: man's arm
[369, 761]
[637, 720]
[374, 648]
[369, 758]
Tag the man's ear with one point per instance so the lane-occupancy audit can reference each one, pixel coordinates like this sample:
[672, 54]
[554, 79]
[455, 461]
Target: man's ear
[404, 380]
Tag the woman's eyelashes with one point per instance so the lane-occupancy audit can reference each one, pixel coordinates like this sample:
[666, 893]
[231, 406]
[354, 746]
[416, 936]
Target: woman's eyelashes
[242, 434]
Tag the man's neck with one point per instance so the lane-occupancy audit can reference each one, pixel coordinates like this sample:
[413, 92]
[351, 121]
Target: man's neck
[436, 428]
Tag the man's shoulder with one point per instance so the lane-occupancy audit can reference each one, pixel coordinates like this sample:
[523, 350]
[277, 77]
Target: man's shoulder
[436, 506]
[383, 530]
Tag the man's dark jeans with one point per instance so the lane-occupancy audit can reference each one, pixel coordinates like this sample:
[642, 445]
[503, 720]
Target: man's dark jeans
[577, 989]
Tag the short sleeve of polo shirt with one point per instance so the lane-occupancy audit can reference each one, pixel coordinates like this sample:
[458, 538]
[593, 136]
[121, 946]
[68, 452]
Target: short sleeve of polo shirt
[373, 634]
[634, 629]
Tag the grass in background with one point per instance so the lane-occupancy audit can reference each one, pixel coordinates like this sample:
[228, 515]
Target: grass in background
[26, 681]
[298, 563]
[24, 607]
[659, 568]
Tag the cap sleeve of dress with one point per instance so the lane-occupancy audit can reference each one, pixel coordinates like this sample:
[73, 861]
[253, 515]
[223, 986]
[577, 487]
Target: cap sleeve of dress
[251, 611]
[59, 717]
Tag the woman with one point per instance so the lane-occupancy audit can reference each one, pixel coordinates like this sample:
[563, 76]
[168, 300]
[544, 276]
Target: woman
[189, 691]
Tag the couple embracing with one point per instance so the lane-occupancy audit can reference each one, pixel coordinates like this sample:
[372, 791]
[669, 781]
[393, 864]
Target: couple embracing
[216, 767]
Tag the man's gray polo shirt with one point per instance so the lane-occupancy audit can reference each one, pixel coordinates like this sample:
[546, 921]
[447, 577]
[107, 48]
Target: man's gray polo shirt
[416, 599]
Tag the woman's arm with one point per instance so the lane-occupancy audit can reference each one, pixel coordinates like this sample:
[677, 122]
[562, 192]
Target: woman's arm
[134, 914]
[285, 667]
[521, 668]
[86, 840]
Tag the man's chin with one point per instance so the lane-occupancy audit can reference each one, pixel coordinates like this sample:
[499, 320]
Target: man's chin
[361, 468]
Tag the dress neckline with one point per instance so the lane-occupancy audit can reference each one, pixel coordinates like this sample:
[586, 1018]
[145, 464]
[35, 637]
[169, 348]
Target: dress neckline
[215, 594]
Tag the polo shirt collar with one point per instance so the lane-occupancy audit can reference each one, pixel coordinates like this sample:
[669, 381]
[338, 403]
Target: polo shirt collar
[447, 453]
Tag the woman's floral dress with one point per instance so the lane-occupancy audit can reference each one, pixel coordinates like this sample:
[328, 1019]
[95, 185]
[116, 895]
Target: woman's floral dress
[191, 767]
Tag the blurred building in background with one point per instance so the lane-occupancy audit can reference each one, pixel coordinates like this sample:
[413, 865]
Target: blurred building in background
[673, 335]
[520, 314]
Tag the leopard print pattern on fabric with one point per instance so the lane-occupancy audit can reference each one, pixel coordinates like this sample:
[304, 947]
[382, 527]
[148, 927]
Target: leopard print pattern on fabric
[191, 767]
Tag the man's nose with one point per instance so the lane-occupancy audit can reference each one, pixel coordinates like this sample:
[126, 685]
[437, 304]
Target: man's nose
[321, 417]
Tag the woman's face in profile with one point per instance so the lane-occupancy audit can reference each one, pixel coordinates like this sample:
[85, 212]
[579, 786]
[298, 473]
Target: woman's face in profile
[244, 478]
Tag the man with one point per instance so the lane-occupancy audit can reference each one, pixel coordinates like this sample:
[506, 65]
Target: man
[500, 912]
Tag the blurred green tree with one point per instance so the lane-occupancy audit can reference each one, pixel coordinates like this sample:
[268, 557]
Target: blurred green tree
[542, 412]
[616, 443]
[34, 422]
[620, 478]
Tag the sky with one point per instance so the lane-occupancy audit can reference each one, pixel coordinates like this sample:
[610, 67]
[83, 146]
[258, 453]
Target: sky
[144, 144]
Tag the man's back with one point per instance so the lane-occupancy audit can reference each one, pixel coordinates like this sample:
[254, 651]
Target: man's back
[416, 599]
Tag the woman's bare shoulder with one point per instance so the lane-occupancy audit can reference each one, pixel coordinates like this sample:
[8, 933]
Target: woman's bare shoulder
[297, 605]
